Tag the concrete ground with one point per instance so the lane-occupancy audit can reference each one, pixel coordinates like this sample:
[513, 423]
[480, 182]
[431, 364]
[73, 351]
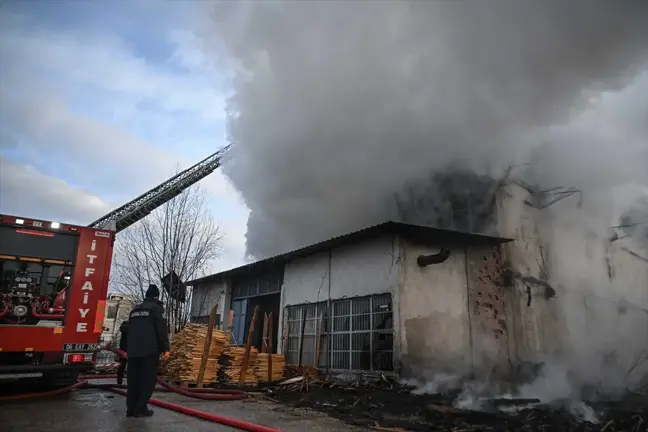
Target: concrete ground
[101, 411]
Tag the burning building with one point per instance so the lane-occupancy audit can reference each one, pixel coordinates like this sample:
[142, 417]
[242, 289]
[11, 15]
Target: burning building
[435, 114]
[421, 301]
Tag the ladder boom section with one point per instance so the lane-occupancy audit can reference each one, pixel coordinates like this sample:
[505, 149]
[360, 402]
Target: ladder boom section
[135, 210]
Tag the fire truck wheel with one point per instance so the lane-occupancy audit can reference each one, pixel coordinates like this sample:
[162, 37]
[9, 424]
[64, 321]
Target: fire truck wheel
[60, 379]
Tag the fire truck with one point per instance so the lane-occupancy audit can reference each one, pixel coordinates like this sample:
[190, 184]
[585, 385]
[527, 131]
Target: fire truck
[54, 283]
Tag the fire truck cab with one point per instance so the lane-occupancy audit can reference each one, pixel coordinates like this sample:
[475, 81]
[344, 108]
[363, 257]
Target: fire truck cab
[53, 288]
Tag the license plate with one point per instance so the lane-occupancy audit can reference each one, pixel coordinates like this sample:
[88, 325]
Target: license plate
[80, 347]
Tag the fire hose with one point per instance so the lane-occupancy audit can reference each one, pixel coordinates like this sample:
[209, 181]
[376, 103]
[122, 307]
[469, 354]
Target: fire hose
[196, 393]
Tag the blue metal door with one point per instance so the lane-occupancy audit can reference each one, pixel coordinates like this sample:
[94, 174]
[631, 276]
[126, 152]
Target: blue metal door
[238, 326]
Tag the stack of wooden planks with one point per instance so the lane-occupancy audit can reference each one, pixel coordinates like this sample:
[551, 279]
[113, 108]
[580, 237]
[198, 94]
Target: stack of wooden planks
[262, 369]
[232, 364]
[186, 353]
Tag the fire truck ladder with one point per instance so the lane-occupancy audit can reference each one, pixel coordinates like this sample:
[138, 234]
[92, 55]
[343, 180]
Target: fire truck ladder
[137, 209]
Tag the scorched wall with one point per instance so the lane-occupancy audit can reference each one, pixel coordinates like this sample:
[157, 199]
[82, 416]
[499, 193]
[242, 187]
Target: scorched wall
[576, 299]
[453, 316]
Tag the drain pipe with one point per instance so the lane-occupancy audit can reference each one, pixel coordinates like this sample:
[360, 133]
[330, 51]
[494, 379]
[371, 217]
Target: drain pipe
[426, 260]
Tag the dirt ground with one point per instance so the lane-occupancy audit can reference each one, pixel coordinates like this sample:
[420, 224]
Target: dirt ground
[398, 407]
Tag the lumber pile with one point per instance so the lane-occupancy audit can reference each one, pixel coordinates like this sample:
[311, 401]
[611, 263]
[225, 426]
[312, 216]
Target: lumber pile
[261, 368]
[186, 353]
[232, 363]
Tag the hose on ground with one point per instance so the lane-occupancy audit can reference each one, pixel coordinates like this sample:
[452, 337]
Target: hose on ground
[196, 393]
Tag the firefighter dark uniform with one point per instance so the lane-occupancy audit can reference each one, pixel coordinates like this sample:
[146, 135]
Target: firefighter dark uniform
[123, 345]
[147, 339]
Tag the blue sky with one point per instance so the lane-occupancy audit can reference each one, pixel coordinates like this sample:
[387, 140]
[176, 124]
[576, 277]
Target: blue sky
[100, 101]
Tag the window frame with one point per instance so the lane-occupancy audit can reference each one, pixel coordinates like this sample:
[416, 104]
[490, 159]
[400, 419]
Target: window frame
[329, 314]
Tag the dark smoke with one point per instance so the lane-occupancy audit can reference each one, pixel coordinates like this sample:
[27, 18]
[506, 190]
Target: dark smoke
[452, 198]
[338, 106]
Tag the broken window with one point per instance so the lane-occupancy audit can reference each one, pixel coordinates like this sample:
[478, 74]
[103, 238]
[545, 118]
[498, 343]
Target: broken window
[354, 334]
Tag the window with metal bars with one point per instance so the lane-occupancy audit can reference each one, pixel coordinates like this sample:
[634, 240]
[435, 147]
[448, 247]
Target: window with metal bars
[346, 334]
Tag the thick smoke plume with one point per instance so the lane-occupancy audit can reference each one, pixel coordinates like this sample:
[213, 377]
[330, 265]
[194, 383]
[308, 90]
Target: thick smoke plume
[339, 106]
[346, 114]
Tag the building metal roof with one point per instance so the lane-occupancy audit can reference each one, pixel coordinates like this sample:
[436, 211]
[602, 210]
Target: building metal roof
[418, 233]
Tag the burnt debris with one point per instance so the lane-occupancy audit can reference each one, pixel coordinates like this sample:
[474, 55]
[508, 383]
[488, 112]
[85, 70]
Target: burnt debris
[388, 406]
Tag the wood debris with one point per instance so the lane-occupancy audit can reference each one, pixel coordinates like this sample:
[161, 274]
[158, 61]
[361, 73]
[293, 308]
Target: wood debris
[303, 378]
[306, 371]
[186, 354]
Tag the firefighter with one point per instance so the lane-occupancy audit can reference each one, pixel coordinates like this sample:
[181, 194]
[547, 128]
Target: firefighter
[123, 346]
[147, 339]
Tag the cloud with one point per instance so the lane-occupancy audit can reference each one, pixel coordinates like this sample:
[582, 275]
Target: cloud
[56, 94]
[95, 154]
[103, 61]
[23, 186]
[102, 118]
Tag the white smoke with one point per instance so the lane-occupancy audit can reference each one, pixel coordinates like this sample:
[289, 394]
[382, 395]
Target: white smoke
[336, 105]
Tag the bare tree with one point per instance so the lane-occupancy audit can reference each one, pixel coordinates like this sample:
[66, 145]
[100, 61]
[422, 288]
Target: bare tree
[180, 236]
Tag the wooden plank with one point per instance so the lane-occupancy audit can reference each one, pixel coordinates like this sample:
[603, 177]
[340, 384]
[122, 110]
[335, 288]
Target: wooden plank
[270, 347]
[264, 334]
[301, 336]
[284, 337]
[208, 339]
[320, 321]
[187, 347]
[228, 331]
[248, 345]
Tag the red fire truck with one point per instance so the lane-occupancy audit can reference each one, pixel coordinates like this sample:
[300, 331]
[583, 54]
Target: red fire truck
[53, 287]
[54, 283]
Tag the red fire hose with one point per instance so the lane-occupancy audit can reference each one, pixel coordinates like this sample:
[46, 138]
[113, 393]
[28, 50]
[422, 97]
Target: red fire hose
[196, 393]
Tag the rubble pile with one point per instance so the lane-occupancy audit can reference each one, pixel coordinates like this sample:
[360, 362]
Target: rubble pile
[186, 352]
[303, 378]
[388, 406]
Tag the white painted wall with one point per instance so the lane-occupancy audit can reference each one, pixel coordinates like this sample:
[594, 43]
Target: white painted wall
[434, 325]
[206, 295]
[362, 269]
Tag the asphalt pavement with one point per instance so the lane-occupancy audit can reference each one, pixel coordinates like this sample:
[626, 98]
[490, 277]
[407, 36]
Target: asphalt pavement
[101, 411]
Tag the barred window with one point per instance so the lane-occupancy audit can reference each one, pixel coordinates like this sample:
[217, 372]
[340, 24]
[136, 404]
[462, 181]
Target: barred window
[354, 334]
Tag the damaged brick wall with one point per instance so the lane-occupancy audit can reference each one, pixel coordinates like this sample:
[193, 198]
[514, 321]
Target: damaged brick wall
[487, 311]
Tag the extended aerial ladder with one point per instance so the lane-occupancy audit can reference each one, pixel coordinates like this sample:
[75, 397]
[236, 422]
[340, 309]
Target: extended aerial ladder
[137, 209]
